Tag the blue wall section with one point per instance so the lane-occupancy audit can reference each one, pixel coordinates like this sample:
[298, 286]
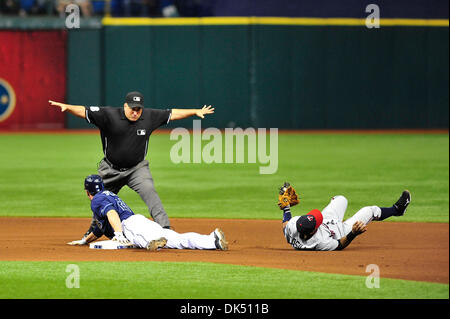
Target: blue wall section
[413, 9]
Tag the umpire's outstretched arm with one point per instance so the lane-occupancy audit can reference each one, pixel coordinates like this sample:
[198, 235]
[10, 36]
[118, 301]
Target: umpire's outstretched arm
[78, 110]
[178, 114]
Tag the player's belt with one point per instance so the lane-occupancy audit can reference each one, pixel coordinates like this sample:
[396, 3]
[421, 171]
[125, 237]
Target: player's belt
[117, 168]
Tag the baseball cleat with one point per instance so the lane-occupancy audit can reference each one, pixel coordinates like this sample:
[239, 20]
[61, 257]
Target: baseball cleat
[156, 244]
[403, 203]
[221, 242]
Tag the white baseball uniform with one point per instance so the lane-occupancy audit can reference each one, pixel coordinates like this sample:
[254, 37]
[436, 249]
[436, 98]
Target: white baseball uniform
[140, 231]
[332, 228]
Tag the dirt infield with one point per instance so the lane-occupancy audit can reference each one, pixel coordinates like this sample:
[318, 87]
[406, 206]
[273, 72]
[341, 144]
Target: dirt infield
[412, 251]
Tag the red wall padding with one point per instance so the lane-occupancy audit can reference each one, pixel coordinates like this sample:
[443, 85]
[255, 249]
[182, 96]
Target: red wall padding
[34, 65]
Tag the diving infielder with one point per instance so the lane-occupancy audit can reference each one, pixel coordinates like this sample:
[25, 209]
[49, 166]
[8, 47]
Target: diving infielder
[326, 229]
[125, 133]
[116, 220]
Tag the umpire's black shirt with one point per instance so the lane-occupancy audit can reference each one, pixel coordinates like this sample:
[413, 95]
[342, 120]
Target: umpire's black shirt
[125, 142]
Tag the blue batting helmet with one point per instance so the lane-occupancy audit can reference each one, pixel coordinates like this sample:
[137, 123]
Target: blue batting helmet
[94, 184]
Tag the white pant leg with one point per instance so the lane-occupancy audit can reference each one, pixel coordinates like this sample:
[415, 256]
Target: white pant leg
[188, 240]
[336, 208]
[365, 215]
[140, 230]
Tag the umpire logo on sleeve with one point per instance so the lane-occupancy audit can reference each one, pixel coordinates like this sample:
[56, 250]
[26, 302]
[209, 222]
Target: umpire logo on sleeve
[7, 100]
[141, 132]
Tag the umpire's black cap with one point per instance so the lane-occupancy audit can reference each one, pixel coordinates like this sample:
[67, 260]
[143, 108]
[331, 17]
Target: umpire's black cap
[135, 99]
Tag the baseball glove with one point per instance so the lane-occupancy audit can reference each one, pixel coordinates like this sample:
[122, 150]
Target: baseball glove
[287, 196]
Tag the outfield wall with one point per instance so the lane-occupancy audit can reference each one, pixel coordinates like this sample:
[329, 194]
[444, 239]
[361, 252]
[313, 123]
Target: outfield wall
[32, 71]
[288, 73]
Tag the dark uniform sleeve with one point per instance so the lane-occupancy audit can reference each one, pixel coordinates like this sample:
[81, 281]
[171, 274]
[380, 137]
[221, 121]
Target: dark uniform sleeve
[97, 115]
[101, 205]
[106, 230]
[159, 118]
[97, 231]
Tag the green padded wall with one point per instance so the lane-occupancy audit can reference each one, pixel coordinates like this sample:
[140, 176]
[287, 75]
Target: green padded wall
[285, 76]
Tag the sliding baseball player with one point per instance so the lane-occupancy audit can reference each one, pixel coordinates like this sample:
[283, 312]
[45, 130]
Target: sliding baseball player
[326, 229]
[114, 218]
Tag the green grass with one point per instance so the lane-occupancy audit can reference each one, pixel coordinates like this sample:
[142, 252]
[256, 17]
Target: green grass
[42, 175]
[160, 280]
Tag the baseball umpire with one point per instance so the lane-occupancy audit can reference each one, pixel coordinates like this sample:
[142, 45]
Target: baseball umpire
[125, 133]
[326, 229]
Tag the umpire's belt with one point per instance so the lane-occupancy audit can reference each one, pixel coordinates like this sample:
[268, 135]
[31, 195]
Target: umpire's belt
[117, 168]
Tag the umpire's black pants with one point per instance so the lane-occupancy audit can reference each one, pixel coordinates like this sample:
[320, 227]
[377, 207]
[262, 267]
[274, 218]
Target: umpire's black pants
[139, 179]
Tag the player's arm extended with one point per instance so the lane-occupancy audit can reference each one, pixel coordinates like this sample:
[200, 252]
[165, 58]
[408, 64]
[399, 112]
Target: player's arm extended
[77, 110]
[357, 229]
[116, 224]
[85, 240]
[90, 238]
[178, 114]
[114, 220]
[286, 217]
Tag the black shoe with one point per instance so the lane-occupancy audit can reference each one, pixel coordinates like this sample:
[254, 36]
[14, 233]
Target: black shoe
[403, 203]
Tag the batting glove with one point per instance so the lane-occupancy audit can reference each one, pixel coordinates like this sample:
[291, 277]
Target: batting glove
[77, 242]
[119, 237]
